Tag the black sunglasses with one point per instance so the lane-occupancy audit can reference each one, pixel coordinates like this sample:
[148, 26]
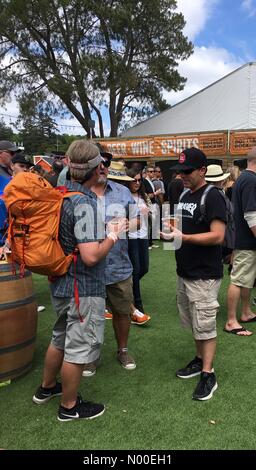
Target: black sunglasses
[106, 163]
[136, 180]
[187, 172]
[60, 157]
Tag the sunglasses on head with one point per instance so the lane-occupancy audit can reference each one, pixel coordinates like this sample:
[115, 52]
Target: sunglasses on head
[187, 172]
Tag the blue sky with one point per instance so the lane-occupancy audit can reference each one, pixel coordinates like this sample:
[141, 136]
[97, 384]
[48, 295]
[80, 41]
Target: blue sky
[223, 34]
[224, 38]
[231, 25]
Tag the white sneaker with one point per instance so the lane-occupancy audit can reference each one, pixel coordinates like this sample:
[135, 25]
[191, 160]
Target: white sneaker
[40, 308]
[90, 369]
[89, 372]
[155, 246]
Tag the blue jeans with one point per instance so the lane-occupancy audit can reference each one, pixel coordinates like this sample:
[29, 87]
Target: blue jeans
[138, 253]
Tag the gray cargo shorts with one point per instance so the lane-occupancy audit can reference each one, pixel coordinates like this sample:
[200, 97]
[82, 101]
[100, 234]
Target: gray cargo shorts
[198, 306]
[81, 342]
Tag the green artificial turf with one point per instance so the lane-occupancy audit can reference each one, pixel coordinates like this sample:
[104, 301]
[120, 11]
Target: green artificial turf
[148, 408]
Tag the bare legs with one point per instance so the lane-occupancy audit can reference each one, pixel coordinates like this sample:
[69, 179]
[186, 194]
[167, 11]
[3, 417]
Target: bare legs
[205, 349]
[121, 325]
[70, 375]
[233, 298]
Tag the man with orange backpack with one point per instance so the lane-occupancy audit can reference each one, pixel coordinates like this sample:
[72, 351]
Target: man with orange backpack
[79, 326]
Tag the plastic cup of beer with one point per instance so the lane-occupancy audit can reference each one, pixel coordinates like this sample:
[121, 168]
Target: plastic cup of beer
[115, 222]
[170, 221]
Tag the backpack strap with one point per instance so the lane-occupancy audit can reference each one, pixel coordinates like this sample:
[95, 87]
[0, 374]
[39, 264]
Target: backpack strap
[71, 193]
[185, 191]
[76, 292]
[203, 203]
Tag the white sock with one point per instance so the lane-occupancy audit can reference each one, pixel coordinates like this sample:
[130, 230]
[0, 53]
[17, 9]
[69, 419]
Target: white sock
[138, 313]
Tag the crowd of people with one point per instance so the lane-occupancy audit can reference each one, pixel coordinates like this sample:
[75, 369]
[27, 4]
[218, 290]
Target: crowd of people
[111, 262]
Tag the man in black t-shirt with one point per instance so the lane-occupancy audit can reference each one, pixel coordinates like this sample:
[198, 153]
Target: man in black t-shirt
[243, 273]
[199, 267]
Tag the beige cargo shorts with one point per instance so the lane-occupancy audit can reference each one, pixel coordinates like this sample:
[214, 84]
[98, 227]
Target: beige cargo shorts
[243, 272]
[198, 306]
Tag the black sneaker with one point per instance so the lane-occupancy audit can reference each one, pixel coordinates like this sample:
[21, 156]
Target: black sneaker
[82, 409]
[206, 386]
[43, 395]
[192, 369]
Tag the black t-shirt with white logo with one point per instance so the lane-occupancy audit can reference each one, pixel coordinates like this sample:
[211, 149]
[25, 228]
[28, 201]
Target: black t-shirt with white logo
[244, 200]
[198, 261]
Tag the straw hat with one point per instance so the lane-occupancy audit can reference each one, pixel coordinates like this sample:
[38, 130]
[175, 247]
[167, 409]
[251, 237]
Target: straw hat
[117, 171]
[215, 173]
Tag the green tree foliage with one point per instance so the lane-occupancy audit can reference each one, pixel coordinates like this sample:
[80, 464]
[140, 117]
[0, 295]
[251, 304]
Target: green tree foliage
[36, 126]
[6, 132]
[93, 57]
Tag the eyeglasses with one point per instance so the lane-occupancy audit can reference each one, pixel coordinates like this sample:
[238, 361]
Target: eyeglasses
[187, 172]
[137, 180]
[151, 171]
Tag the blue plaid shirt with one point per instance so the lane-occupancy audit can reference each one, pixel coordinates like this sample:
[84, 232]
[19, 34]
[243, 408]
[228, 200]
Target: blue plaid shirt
[78, 225]
[118, 202]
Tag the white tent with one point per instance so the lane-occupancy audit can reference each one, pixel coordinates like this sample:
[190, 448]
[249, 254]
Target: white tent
[228, 104]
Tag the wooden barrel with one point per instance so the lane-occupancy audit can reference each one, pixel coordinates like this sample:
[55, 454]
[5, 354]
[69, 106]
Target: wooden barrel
[18, 322]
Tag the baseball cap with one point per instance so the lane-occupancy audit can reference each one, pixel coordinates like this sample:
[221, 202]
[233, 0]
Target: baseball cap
[21, 158]
[191, 159]
[9, 146]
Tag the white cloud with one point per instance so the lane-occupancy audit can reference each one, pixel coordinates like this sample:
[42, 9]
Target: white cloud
[249, 6]
[206, 64]
[204, 67]
[196, 14]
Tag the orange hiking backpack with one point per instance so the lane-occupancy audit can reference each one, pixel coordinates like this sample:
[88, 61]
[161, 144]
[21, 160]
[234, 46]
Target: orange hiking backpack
[34, 208]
